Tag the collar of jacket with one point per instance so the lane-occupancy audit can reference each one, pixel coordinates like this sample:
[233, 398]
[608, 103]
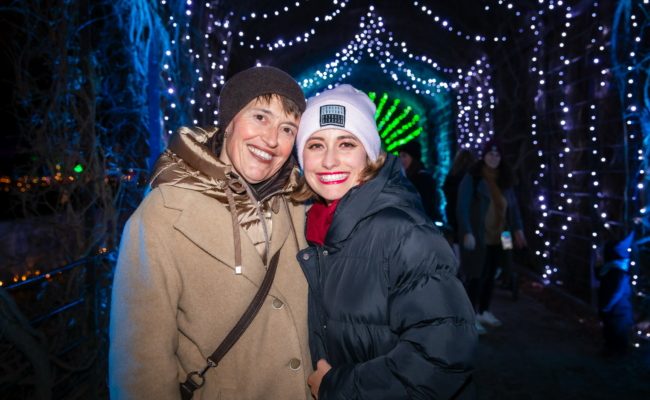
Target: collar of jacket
[188, 163]
[387, 189]
[206, 231]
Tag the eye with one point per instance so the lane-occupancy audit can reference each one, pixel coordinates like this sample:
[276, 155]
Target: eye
[289, 130]
[259, 117]
[314, 146]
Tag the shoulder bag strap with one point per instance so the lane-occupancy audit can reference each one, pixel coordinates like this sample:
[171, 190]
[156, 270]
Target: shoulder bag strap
[196, 379]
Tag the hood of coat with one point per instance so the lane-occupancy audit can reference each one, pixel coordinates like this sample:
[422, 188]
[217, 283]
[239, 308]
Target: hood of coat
[190, 164]
[389, 189]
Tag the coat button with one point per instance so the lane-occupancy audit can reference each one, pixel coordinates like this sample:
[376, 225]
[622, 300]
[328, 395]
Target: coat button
[305, 256]
[277, 304]
[325, 252]
[294, 364]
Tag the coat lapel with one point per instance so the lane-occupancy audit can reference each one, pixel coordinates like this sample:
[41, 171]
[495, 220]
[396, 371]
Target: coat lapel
[281, 230]
[212, 231]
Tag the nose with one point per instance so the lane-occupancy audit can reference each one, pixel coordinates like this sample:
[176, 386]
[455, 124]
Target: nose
[330, 158]
[270, 136]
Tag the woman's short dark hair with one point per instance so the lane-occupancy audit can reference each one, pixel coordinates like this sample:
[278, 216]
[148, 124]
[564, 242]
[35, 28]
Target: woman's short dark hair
[288, 106]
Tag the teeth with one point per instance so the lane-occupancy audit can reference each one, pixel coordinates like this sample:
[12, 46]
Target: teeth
[260, 153]
[333, 177]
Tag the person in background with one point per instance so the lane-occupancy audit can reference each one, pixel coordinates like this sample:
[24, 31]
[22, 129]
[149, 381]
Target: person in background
[614, 292]
[487, 214]
[388, 317]
[410, 154]
[196, 250]
[463, 160]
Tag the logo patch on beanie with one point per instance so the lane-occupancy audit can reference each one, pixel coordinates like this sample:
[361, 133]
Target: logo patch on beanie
[332, 115]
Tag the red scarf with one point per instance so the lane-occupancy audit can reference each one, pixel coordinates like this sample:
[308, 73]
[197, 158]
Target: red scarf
[319, 219]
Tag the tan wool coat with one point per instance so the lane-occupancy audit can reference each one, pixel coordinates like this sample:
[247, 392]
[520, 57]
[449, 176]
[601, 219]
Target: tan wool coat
[176, 295]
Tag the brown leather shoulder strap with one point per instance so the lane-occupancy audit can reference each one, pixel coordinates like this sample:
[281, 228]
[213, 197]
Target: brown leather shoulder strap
[196, 379]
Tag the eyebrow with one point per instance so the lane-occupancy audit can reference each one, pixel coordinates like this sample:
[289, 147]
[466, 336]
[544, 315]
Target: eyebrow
[341, 137]
[347, 137]
[270, 113]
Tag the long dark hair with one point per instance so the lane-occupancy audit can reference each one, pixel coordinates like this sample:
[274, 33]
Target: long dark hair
[463, 160]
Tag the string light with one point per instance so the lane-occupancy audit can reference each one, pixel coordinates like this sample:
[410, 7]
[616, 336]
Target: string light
[508, 5]
[474, 95]
[255, 15]
[561, 174]
[467, 90]
[191, 91]
[631, 69]
[475, 101]
[282, 43]
[373, 41]
[446, 25]
[472, 85]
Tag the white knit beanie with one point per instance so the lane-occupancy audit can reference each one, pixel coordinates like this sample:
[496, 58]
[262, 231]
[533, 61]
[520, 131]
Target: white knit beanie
[343, 107]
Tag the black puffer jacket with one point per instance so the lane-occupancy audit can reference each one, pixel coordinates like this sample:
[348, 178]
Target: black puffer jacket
[386, 309]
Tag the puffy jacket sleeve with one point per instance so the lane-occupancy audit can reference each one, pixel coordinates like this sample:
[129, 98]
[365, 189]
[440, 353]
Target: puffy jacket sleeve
[433, 319]
[464, 204]
[143, 333]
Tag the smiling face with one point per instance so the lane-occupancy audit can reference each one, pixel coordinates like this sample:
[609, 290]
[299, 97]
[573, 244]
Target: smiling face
[260, 139]
[492, 158]
[333, 161]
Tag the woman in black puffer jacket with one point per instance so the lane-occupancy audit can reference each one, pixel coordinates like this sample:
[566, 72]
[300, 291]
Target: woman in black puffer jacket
[388, 317]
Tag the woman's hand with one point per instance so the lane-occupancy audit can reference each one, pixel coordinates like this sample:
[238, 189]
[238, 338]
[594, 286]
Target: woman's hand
[520, 239]
[314, 380]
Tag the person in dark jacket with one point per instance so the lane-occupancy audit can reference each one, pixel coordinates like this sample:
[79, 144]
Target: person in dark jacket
[388, 319]
[463, 160]
[488, 221]
[410, 154]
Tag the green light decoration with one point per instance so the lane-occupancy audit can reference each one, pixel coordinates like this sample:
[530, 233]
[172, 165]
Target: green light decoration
[387, 117]
[404, 139]
[394, 122]
[78, 168]
[380, 106]
[397, 124]
[399, 131]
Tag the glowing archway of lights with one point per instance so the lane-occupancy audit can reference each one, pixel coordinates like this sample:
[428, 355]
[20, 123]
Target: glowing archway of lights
[422, 76]
[473, 119]
[418, 74]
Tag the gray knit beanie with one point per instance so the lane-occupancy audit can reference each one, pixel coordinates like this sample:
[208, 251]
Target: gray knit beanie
[248, 84]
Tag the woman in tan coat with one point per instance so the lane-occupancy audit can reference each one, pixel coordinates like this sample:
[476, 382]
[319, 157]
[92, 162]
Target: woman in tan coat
[186, 273]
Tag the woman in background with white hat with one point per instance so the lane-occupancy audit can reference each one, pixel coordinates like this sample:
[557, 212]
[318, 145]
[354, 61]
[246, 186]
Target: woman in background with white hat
[388, 318]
